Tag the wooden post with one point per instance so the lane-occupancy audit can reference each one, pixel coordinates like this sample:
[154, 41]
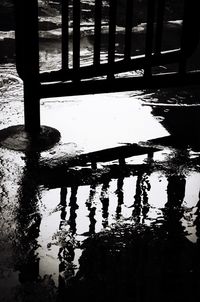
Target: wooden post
[27, 61]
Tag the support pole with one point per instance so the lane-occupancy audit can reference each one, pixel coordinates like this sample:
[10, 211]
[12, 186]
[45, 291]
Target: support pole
[31, 136]
[27, 61]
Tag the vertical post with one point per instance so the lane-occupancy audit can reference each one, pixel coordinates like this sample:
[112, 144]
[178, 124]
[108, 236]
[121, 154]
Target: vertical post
[159, 26]
[27, 61]
[128, 32]
[149, 36]
[189, 36]
[111, 38]
[97, 32]
[76, 38]
[187, 21]
[65, 34]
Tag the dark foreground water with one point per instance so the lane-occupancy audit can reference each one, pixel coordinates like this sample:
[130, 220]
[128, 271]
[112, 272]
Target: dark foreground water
[125, 231]
[110, 234]
[128, 231]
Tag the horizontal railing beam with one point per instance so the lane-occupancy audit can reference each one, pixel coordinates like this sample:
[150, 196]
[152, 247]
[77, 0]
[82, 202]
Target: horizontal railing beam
[118, 84]
[90, 71]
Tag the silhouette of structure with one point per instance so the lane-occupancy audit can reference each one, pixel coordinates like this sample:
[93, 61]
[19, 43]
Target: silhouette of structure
[98, 77]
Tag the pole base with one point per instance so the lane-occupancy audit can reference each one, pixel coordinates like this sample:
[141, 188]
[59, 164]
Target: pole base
[16, 138]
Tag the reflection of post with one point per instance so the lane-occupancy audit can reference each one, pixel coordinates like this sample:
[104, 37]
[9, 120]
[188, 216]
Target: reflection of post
[92, 220]
[196, 259]
[105, 202]
[91, 209]
[120, 195]
[175, 190]
[141, 197]
[73, 207]
[66, 252]
[173, 211]
[145, 188]
[177, 264]
[63, 196]
[28, 223]
[91, 196]
[137, 197]
[197, 221]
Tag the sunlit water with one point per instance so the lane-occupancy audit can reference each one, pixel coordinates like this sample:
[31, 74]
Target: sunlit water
[37, 240]
[43, 228]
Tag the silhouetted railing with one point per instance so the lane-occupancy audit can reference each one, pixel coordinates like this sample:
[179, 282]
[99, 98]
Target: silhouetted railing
[105, 76]
[154, 54]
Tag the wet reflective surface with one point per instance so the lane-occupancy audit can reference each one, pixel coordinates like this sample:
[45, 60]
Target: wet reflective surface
[120, 230]
[126, 229]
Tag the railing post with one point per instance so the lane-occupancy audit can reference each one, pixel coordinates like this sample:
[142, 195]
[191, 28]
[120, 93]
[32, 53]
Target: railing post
[27, 60]
[76, 38]
[31, 136]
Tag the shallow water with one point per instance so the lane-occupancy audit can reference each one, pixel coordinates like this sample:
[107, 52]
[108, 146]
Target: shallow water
[46, 221]
[110, 233]
[43, 229]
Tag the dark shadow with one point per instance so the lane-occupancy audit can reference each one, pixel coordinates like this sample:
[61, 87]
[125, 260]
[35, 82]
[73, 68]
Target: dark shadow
[73, 207]
[28, 223]
[120, 196]
[181, 122]
[137, 262]
[66, 251]
[32, 286]
[141, 206]
[91, 208]
[104, 198]
[63, 203]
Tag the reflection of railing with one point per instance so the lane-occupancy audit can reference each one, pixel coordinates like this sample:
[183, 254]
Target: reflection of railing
[29, 217]
[100, 193]
[52, 175]
[82, 79]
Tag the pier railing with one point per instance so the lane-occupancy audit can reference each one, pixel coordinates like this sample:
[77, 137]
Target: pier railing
[113, 74]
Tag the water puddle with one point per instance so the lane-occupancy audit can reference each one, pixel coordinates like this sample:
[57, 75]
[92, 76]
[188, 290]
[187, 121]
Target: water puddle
[49, 231]
[117, 230]
[58, 224]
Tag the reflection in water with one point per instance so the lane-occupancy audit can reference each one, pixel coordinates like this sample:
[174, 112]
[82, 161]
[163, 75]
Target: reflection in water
[178, 267]
[66, 252]
[136, 259]
[137, 262]
[197, 221]
[197, 248]
[181, 122]
[137, 197]
[145, 188]
[28, 223]
[32, 286]
[92, 220]
[105, 202]
[63, 203]
[120, 197]
[73, 207]
[91, 209]
[141, 206]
